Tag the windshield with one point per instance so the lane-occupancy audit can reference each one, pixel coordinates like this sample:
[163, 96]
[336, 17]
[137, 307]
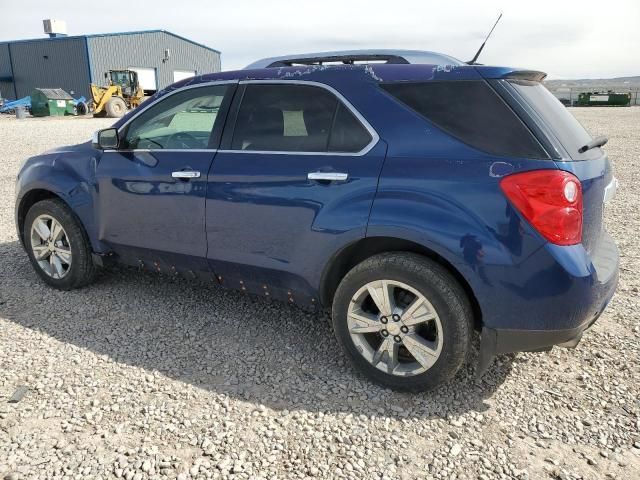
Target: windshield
[120, 78]
[569, 132]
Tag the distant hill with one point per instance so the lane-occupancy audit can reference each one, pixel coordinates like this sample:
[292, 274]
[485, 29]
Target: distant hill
[620, 82]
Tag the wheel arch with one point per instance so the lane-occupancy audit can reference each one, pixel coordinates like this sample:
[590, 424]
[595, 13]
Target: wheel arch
[356, 252]
[34, 196]
[27, 201]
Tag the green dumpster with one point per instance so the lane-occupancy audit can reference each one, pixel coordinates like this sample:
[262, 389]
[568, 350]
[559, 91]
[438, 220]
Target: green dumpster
[51, 101]
[610, 99]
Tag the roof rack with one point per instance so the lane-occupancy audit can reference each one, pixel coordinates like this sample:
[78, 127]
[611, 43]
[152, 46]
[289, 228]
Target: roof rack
[350, 57]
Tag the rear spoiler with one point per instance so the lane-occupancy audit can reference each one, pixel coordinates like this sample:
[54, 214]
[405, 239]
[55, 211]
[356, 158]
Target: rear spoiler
[531, 75]
[497, 73]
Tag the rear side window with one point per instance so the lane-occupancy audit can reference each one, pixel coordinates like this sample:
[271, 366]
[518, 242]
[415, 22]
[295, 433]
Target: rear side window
[296, 118]
[472, 112]
[347, 134]
[569, 132]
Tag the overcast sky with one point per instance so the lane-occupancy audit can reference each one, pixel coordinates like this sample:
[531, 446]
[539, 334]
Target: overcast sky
[585, 39]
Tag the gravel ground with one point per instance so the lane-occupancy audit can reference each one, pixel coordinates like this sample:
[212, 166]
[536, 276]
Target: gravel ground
[140, 376]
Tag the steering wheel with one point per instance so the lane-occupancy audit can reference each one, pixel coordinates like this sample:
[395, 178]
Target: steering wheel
[183, 140]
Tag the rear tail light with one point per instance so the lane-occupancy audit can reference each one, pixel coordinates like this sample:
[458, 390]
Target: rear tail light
[551, 200]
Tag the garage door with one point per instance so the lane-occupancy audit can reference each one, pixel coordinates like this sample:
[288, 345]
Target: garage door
[146, 78]
[182, 74]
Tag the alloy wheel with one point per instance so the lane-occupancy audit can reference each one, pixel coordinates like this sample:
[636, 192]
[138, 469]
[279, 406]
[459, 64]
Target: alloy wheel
[50, 246]
[395, 328]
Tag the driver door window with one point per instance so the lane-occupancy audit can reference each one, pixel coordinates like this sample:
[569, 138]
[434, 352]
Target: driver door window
[182, 121]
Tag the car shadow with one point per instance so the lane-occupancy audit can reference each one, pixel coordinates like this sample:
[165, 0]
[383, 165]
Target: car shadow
[221, 341]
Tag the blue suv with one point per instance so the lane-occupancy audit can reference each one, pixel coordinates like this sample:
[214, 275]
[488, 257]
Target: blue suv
[418, 198]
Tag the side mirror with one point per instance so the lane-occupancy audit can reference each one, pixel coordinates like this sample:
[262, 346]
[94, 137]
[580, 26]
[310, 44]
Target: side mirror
[106, 139]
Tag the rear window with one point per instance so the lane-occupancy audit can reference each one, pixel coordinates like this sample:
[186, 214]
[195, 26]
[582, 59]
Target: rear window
[569, 132]
[472, 112]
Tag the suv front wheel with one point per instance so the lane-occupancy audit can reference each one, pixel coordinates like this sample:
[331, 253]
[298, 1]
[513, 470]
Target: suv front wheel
[58, 246]
[403, 320]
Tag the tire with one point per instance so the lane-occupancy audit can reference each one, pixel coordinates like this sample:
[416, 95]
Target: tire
[410, 275]
[115, 107]
[81, 270]
[82, 108]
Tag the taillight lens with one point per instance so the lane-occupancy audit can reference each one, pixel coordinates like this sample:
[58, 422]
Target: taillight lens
[551, 200]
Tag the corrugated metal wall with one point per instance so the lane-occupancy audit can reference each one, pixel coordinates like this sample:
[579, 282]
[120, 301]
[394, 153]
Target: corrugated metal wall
[47, 63]
[147, 50]
[6, 86]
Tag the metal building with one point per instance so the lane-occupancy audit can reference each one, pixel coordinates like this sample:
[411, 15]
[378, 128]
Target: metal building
[73, 62]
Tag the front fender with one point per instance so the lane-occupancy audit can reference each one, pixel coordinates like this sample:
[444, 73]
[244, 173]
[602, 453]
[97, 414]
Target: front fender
[67, 173]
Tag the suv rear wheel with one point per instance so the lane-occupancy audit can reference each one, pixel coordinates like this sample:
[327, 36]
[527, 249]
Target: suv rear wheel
[57, 245]
[403, 320]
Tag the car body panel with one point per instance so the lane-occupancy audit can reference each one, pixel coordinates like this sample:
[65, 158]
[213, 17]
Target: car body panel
[69, 173]
[259, 224]
[268, 225]
[146, 215]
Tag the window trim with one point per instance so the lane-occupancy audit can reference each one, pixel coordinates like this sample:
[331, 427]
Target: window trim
[375, 138]
[122, 129]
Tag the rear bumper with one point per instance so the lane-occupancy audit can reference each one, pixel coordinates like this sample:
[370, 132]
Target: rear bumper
[576, 310]
[499, 341]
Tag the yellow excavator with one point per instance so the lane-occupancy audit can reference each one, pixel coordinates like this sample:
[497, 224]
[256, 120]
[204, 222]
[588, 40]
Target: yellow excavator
[121, 93]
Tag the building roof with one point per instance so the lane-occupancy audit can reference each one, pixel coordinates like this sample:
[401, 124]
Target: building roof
[115, 34]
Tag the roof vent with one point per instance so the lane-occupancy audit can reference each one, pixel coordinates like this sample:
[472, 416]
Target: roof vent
[55, 28]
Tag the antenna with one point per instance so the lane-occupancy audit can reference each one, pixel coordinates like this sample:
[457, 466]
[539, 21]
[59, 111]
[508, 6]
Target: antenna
[475, 57]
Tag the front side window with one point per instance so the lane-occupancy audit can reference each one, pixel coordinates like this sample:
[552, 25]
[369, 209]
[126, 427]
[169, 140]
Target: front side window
[296, 118]
[472, 112]
[182, 121]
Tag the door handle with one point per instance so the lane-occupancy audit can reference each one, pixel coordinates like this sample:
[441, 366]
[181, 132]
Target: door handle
[328, 176]
[185, 174]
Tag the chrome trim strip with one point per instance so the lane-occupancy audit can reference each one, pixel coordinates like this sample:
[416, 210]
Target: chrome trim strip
[174, 150]
[185, 174]
[328, 176]
[375, 138]
[277, 152]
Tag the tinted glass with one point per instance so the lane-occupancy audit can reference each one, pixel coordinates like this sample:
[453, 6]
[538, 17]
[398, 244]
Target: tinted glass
[120, 78]
[181, 121]
[348, 134]
[569, 132]
[472, 112]
[295, 118]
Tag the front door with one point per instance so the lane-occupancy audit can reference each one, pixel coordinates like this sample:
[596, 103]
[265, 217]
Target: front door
[295, 182]
[151, 202]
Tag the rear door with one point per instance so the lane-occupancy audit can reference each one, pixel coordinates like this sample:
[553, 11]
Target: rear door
[151, 205]
[294, 181]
